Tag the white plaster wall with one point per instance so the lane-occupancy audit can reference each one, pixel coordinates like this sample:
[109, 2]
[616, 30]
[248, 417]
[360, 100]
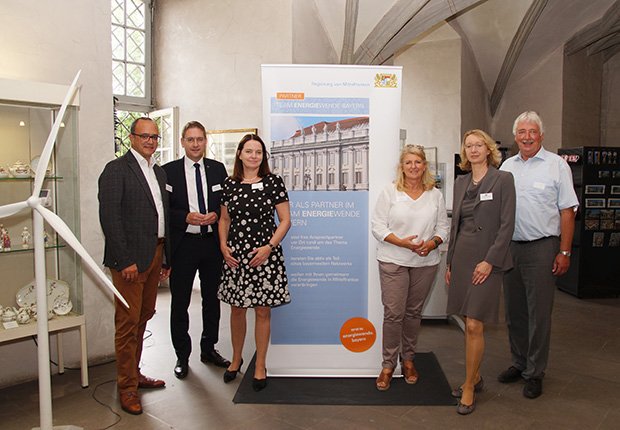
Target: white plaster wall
[431, 99]
[49, 42]
[610, 103]
[475, 112]
[539, 90]
[312, 43]
[581, 99]
[208, 54]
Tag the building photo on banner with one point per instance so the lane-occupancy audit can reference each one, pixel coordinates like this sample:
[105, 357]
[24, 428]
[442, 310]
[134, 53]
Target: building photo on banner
[333, 136]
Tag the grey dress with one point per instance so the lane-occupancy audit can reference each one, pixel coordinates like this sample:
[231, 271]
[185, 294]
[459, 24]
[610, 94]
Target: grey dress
[480, 302]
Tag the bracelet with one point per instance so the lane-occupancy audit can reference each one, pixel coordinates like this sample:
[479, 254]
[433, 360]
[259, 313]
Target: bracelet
[567, 253]
[436, 242]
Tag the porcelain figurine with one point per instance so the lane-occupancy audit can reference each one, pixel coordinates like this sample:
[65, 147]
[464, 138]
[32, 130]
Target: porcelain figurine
[6, 240]
[26, 236]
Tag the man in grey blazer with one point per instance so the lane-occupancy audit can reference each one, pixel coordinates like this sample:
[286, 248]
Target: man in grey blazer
[195, 185]
[133, 211]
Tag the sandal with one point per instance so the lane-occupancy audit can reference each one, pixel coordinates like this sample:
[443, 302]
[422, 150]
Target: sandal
[411, 376]
[384, 379]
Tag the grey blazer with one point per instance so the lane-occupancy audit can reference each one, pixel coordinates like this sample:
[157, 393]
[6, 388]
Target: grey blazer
[494, 217]
[128, 215]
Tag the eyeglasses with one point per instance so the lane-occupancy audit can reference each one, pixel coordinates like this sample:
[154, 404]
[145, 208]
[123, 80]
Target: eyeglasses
[147, 137]
[477, 145]
[191, 140]
[418, 147]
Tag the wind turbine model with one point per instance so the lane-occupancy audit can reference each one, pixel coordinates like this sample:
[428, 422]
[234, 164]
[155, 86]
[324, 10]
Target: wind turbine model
[39, 214]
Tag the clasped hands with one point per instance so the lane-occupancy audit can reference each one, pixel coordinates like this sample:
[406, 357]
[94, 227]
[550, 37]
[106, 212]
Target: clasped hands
[196, 218]
[422, 248]
[259, 256]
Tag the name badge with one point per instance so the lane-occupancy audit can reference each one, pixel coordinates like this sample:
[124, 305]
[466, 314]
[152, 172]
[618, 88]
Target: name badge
[401, 198]
[539, 185]
[216, 187]
[169, 188]
[486, 196]
[257, 186]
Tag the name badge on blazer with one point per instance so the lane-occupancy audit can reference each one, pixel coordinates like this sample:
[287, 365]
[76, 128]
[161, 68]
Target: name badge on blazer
[169, 188]
[486, 196]
[216, 187]
[257, 186]
[539, 185]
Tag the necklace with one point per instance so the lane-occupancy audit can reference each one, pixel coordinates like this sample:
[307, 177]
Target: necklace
[249, 179]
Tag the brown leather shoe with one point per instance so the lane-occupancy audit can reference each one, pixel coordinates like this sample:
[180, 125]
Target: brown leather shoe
[411, 375]
[146, 382]
[130, 402]
[384, 379]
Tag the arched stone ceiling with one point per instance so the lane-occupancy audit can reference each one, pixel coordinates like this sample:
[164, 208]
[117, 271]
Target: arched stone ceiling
[506, 39]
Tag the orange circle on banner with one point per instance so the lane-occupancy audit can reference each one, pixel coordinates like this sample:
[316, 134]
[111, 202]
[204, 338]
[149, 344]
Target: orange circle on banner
[358, 334]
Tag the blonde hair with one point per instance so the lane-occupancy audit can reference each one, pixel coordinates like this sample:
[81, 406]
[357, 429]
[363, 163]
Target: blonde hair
[428, 181]
[494, 158]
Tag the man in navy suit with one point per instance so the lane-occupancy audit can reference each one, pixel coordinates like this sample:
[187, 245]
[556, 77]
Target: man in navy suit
[133, 211]
[195, 185]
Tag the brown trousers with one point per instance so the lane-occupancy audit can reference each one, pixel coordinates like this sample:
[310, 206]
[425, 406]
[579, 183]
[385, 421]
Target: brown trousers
[403, 292]
[131, 323]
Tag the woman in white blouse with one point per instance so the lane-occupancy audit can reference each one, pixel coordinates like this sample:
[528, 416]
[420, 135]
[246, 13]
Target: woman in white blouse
[410, 222]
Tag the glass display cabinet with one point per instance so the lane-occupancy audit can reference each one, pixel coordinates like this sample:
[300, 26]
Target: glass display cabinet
[27, 112]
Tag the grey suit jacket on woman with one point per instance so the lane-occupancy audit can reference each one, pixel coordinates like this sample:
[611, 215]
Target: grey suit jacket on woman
[494, 216]
[128, 215]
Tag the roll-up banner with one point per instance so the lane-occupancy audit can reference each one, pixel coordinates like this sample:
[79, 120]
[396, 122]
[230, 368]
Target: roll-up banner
[333, 135]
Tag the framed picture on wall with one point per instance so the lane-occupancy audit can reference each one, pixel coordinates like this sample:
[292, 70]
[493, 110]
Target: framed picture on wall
[222, 145]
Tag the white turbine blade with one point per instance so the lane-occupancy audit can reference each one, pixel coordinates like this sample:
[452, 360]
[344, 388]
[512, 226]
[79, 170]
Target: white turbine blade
[44, 160]
[12, 208]
[61, 228]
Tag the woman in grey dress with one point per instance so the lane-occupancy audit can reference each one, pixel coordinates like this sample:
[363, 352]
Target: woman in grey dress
[482, 225]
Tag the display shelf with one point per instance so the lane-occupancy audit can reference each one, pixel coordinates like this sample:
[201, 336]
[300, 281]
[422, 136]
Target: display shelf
[24, 128]
[53, 178]
[30, 249]
[57, 324]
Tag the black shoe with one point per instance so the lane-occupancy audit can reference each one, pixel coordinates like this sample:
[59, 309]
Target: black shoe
[512, 374]
[259, 384]
[215, 358]
[458, 392]
[229, 375]
[533, 388]
[180, 369]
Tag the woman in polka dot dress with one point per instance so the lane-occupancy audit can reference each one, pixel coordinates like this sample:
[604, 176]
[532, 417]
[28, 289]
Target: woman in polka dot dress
[254, 275]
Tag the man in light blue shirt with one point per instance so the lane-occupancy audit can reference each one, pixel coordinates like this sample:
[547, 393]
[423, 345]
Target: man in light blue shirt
[546, 204]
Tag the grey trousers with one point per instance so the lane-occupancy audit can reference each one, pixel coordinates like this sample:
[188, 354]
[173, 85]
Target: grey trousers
[529, 288]
[403, 292]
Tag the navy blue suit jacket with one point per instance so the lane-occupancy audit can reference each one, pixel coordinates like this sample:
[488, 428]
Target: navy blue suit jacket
[179, 203]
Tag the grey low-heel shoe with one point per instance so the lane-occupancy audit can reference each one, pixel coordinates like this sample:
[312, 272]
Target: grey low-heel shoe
[466, 409]
[458, 392]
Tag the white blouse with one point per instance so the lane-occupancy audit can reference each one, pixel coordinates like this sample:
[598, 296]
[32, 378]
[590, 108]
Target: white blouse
[399, 214]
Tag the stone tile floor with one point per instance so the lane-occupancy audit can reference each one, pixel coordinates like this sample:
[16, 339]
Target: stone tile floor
[581, 389]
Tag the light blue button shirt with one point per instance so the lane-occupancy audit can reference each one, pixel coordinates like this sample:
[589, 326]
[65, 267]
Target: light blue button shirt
[544, 186]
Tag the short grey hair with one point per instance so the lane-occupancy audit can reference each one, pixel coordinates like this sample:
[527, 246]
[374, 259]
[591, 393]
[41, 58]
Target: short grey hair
[531, 117]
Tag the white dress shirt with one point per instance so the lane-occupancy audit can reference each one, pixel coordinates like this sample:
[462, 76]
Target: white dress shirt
[151, 179]
[544, 187]
[192, 191]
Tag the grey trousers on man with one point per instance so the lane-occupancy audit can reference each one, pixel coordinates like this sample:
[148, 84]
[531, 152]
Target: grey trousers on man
[529, 288]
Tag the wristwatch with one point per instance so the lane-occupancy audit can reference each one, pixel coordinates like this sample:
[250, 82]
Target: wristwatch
[567, 253]
[436, 242]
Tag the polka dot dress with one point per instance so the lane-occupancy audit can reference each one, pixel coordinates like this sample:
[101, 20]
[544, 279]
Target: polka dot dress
[251, 210]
